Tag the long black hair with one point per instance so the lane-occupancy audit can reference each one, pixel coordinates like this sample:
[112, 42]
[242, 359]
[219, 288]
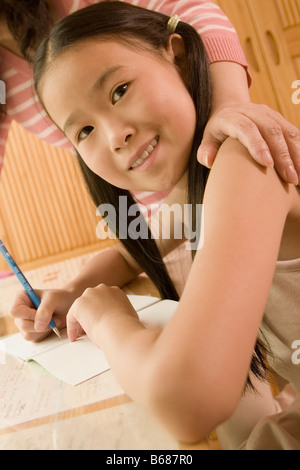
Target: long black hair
[28, 21]
[124, 22]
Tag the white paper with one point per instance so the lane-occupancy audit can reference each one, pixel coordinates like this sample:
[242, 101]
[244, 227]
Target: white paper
[29, 392]
[74, 362]
[142, 301]
[81, 360]
[17, 346]
[158, 314]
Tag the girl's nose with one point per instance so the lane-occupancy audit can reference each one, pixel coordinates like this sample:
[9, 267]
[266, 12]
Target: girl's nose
[121, 141]
[119, 132]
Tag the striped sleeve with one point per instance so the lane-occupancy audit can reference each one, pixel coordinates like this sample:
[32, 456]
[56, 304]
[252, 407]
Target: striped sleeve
[219, 37]
[23, 106]
[217, 32]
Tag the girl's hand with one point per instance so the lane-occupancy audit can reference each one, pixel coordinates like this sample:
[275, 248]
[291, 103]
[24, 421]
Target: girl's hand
[95, 304]
[264, 132]
[34, 323]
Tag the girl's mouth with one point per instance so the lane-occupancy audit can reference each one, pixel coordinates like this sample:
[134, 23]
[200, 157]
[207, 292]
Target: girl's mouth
[139, 162]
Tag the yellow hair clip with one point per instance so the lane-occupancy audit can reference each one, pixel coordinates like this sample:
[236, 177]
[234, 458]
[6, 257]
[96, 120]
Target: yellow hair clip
[172, 23]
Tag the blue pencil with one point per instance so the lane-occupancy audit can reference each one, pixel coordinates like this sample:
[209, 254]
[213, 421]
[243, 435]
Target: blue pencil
[13, 265]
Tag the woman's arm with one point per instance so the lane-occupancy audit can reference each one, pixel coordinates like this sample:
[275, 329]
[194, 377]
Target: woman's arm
[264, 132]
[178, 373]
[267, 135]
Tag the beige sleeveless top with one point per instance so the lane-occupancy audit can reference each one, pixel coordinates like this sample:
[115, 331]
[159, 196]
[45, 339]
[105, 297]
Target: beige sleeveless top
[281, 322]
[262, 421]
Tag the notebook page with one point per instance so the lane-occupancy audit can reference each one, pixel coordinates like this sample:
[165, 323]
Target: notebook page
[17, 346]
[81, 360]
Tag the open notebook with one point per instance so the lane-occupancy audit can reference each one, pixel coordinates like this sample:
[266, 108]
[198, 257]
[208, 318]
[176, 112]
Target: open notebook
[81, 360]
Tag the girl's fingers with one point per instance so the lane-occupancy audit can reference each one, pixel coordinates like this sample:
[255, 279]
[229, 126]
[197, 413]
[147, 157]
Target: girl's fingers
[44, 313]
[26, 326]
[22, 307]
[27, 330]
[73, 327]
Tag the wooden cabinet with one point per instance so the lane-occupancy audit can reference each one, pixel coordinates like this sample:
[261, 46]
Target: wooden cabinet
[269, 32]
[46, 214]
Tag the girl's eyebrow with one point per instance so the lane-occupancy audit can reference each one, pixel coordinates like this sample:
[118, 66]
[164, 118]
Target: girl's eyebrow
[71, 120]
[105, 76]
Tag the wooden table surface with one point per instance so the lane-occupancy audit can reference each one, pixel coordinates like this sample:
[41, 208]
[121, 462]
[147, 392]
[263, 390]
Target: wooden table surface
[40, 412]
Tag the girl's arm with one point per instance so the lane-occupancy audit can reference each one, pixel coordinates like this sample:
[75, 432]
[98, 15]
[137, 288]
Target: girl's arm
[192, 374]
[112, 266]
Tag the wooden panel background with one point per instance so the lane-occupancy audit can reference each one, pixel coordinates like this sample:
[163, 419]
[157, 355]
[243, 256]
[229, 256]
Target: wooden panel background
[269, 31]
[290, 17]
[278, 29]
[46, 213]
[238, 13]
[289, 12]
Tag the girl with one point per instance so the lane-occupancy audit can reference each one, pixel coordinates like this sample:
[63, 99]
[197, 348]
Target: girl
[147, 71]
[23, 24]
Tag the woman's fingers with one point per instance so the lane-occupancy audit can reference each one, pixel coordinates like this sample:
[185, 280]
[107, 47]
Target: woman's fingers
[267, 135]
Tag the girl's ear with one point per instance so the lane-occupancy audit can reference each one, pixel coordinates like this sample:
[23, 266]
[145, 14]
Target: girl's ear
[176, 51]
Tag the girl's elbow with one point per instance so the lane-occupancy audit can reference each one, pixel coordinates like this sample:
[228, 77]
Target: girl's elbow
[188, 411]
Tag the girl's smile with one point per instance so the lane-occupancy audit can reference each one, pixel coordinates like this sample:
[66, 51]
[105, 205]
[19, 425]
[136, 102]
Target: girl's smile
[146, 158]
[126, 110]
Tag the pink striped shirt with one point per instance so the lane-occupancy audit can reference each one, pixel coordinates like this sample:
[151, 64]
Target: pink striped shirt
[219, 36]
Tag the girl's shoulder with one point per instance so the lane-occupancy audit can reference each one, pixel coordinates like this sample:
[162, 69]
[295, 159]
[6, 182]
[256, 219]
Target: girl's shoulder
[235, 165]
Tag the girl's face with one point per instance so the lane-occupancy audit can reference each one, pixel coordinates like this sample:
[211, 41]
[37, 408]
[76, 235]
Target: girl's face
[126, 111]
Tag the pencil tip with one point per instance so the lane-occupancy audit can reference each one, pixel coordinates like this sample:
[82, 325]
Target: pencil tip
[57, 332]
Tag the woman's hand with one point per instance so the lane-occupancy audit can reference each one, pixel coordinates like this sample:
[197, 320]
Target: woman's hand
[95, 305]
[268, 136]
[34, 323]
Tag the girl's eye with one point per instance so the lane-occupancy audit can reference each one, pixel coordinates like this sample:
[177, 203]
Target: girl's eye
[84, 132]
[119, 92]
